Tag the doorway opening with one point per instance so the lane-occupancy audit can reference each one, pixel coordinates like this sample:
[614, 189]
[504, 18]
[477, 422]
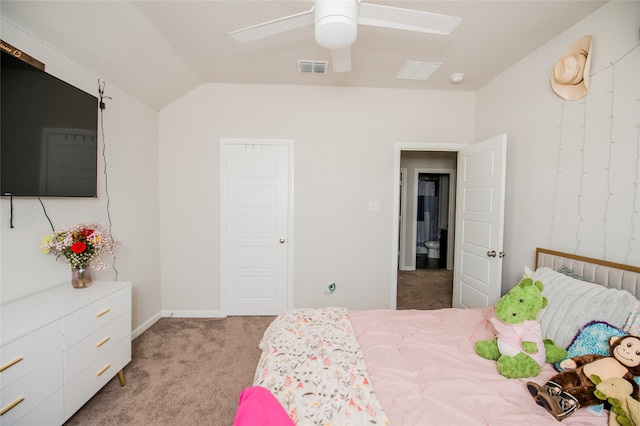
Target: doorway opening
[423, 276]
[426, 209]
[479, 226]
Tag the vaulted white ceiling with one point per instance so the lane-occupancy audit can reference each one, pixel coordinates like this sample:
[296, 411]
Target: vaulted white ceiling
[159, 50]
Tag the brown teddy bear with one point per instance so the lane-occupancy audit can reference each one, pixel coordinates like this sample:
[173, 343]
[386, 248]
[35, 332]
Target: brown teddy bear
[571, 389]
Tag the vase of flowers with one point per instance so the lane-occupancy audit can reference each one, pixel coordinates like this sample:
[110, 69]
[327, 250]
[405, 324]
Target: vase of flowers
[81, 277]
[81, 247]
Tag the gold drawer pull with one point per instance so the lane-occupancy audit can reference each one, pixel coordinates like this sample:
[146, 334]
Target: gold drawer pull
[105, 368]
[102, 342]
[10, 363]
[101, 313]
[10, 406]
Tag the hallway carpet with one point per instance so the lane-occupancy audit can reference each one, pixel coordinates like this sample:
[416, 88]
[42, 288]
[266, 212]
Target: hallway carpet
[425, 289]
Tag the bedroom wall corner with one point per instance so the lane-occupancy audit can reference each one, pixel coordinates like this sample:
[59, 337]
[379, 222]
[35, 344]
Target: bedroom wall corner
[572, 169]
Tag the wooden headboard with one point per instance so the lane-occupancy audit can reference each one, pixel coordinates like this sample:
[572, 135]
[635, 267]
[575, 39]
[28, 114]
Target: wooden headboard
[609, 274]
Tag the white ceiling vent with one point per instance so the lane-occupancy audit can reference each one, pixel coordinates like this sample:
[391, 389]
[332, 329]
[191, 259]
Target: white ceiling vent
[414, 70]
[312, 67]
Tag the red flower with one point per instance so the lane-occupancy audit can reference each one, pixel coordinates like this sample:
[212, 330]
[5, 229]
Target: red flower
[87, 232]
[78, 247]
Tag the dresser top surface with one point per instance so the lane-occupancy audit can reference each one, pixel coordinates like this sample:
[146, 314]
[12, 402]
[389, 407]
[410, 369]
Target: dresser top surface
[30, 313]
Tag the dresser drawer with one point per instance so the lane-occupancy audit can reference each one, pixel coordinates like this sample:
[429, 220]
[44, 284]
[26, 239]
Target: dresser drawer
[50, 412]
[27, 393]
[88, 350]
[22, 356]
[82, 387]
[85, 321]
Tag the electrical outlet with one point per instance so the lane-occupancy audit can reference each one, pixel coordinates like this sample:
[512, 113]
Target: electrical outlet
[331, 287]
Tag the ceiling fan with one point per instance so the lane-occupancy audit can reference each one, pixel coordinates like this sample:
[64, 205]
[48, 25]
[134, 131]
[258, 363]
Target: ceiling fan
[336, 25]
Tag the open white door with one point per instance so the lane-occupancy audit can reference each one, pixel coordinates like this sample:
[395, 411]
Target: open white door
[477, 275]
[256, 231]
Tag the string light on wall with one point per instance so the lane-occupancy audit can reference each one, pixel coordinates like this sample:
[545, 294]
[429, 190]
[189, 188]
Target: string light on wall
[581, 218]
[599, 175]
[610, 154]
[558, 171]
[635, 215]
[635, 204]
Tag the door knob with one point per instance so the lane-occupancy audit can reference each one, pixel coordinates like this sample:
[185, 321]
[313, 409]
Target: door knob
[491, 253]
[502, 254]
[282, 240]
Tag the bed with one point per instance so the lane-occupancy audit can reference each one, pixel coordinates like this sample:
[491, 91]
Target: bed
[331, 366]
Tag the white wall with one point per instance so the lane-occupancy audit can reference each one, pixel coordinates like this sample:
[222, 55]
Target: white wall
[131, 135]
[343, 158]
[573, 167]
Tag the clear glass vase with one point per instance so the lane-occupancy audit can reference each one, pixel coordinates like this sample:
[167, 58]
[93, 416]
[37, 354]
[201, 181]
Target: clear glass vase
[81, 277]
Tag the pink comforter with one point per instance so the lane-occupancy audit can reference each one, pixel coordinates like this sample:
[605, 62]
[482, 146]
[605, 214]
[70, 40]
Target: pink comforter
[425, 371]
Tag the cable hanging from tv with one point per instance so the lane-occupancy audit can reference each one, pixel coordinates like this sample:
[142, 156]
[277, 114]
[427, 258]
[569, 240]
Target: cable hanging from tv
[101, 86]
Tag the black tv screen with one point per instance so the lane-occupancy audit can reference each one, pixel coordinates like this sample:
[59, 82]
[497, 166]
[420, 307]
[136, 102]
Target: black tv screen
[48, 144]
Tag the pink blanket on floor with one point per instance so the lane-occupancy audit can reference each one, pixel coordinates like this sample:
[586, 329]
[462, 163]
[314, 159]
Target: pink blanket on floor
[258, 407]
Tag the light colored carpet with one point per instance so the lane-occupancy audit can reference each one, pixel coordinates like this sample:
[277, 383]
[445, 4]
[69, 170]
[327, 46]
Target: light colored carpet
[184, 371]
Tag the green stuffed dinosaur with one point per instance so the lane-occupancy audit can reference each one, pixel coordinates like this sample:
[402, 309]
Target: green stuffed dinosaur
[518, 346]
[625, 410]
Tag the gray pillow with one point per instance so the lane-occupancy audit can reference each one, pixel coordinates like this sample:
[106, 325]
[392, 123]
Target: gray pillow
[564, 269]
[573, 303]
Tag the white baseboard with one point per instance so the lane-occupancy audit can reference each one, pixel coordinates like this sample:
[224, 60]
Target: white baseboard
[407, 268]
[144, 326]
[193, 314]
[176, 314]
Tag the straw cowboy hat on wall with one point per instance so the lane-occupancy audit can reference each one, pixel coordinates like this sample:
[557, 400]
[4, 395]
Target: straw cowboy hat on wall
[570, 75]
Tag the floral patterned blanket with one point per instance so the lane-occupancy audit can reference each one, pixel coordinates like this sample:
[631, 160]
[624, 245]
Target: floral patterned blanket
[313, 364]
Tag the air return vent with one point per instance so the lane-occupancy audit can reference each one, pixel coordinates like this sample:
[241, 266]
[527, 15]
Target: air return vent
[413, 70]
[312, 67]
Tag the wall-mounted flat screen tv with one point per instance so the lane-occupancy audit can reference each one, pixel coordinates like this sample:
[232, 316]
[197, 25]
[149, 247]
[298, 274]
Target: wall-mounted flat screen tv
[48, 131]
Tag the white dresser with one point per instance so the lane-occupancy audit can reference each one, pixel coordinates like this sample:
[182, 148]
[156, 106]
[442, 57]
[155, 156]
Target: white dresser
[59, 347]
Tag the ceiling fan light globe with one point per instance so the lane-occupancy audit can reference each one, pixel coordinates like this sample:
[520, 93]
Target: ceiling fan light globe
[336, 32]
[336, 23]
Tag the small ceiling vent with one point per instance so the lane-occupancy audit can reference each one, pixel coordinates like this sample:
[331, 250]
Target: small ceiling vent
[312, 67]
[414, 70]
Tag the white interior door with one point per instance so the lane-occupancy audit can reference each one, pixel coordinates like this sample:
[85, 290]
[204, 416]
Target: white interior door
[477, 272]
[255, 234]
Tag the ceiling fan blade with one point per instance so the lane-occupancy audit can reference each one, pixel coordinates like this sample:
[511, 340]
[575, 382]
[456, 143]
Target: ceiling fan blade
[406, 19]
[277, 26]
[341, 59]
